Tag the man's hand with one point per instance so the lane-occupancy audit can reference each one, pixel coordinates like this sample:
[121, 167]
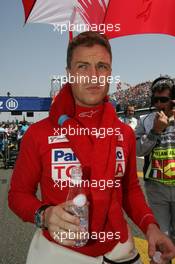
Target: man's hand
[158, 241]
[62, 226]
[173, 107]
[160, 122]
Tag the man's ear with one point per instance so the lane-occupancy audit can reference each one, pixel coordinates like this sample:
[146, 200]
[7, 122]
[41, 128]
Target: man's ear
[67, 71]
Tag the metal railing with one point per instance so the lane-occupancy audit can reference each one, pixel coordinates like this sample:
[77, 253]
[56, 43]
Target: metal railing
[139, 112]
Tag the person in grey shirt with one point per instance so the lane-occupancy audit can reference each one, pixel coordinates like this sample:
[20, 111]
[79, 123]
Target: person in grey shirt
[155, 135]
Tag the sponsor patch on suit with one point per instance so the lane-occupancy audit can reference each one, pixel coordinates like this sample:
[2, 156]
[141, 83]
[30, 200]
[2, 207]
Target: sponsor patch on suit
[63, 160]
[120, 162]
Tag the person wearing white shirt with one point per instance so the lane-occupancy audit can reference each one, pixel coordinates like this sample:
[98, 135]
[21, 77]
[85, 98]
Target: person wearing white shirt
[129, 117]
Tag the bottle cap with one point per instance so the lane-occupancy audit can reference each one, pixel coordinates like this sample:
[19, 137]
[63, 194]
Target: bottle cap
[157, 257]
[80, 200]
[76, 173]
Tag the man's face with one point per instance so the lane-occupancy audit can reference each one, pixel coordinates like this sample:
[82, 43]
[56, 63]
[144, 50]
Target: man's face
[162, 101]
[130, 111]
[90, 66]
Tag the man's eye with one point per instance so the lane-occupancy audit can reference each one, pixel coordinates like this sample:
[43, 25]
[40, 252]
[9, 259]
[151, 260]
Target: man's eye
[82, 66]
[103, 67]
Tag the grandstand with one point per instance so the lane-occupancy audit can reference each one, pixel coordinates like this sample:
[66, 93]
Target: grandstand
[138, 95]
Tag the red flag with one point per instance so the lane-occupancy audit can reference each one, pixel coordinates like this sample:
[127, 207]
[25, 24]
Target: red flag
[141, 16]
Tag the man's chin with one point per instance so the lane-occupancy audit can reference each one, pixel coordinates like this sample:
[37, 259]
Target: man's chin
[93, 102]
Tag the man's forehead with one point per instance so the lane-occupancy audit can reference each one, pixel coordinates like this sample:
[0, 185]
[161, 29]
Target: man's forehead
[166, 91]
[83, 53]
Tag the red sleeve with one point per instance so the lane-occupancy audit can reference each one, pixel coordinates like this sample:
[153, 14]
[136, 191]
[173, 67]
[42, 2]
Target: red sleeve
[26, 175]
[134, 202]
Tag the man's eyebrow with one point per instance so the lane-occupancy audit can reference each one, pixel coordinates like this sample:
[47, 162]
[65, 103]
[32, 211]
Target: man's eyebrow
[99, 62]
[105, 63]
[84, 62]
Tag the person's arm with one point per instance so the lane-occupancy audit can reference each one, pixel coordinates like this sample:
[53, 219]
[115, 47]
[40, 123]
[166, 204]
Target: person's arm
[133, 198]
[137, 209]
[145, 142]
[22, 194]
[158, 241]
[25, 178]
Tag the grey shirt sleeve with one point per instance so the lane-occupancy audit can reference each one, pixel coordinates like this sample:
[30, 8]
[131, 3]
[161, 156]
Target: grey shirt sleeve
[146, 139]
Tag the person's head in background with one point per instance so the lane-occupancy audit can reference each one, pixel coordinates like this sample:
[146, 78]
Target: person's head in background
[163, 92]
[130, 111]
[89, 59]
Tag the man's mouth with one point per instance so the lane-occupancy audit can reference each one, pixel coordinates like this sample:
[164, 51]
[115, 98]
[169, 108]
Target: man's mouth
[93, 88]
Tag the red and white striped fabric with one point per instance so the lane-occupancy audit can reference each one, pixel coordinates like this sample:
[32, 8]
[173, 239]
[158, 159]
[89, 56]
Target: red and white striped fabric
[65, 11]
[135, 17]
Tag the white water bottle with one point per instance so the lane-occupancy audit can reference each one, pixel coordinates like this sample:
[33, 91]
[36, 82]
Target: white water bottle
[79, 205]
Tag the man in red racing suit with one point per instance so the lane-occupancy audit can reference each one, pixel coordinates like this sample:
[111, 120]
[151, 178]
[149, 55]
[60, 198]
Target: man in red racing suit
[106, 153]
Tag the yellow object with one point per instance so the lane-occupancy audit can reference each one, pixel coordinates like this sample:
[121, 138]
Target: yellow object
[142, 247]
[140, 174]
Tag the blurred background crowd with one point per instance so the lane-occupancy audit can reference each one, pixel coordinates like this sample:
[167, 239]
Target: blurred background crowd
[138, 95]
[11, 134]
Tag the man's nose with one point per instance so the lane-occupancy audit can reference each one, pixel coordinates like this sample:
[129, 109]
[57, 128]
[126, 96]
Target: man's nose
[93, 71]
[159, 104]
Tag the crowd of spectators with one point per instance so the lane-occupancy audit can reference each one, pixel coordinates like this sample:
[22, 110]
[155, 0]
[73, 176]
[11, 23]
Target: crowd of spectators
[138, 95]
[12, 130]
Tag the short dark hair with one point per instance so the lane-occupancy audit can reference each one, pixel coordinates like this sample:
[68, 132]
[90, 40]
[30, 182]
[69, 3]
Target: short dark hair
[87, 39]
[127, 106]
[163, 83]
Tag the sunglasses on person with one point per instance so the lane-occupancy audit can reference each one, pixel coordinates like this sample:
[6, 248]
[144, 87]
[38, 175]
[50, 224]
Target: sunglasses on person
[162, 99]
